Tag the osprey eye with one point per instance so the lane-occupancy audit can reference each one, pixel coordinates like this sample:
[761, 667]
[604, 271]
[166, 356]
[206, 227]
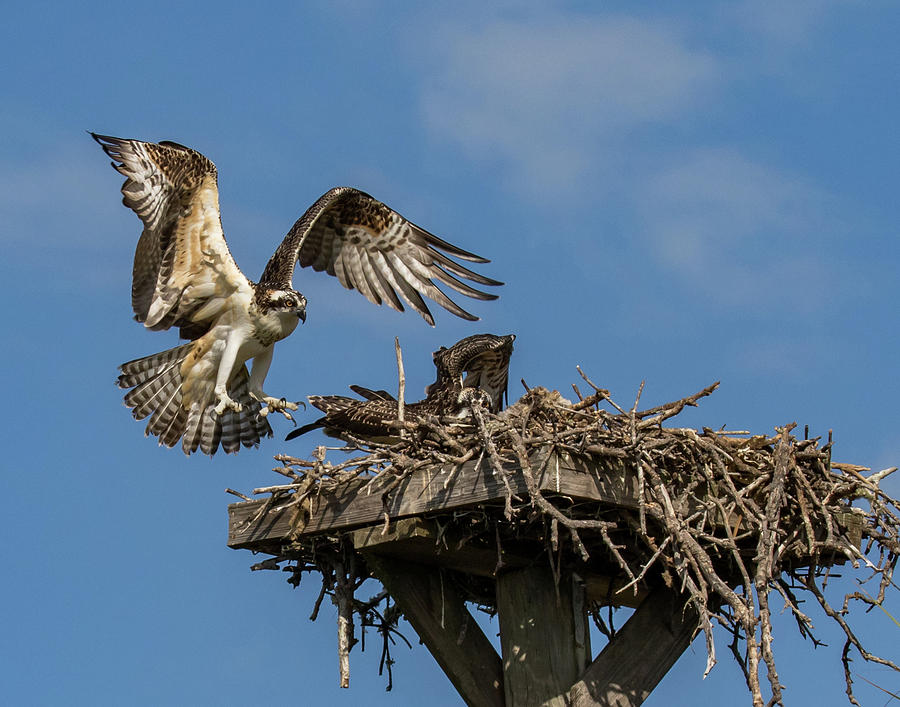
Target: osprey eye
[289, 302]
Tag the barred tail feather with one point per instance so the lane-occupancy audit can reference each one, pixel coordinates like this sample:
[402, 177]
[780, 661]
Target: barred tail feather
[205, 430]
[191, 439]
[156, 392]
[231, 431]
[142, 370]
[246, 427]
[155, 383]
[167, 422]
[211, 429]
[170, 436]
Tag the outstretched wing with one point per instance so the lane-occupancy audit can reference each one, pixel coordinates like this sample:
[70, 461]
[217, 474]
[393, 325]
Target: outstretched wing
[483, 358]
[374, 418]
[371, 248]
[489, 371]
[183, 271]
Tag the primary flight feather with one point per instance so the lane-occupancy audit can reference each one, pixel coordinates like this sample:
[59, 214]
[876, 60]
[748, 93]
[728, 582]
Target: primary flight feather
[201, 392]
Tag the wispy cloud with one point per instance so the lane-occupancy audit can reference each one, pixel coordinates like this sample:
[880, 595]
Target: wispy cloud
[548, 100]
[741, 232]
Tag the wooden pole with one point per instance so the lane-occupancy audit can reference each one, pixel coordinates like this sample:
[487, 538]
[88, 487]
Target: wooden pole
[438, 614]
[543, 634]
[643, 651]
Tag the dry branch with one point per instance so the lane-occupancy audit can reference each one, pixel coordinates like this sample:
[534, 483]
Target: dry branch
[724, 517]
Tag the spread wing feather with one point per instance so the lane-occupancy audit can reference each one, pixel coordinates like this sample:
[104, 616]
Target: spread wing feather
[483, 358]
[403, 286]
[369, 247]
[370, 394]
[490, 372]
[183, 272]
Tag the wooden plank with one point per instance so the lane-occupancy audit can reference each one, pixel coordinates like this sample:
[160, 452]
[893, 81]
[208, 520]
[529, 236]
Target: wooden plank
[643, 651]
[543, 635]
[607, 481]
[376, 537]
[441, 489]
[853, 524]
[439, 616]
[360, 504]
[604, 590]
[418, 540]
[248, 528]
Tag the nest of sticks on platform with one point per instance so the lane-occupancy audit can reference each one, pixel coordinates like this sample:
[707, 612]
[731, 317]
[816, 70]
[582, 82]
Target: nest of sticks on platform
[788, 515]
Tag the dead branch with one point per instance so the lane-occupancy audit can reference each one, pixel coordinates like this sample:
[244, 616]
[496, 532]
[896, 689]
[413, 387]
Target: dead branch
[725, 517]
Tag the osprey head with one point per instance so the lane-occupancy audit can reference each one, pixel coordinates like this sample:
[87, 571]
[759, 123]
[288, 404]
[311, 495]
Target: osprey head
[287, 301]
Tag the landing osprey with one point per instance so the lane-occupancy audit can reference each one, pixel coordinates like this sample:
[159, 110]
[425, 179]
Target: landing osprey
[201, 392]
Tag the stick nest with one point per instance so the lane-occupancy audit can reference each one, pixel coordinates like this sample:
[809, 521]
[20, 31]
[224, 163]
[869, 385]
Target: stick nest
[727, 519]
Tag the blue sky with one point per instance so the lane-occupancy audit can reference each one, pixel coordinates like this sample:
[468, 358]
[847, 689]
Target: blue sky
[672, 194]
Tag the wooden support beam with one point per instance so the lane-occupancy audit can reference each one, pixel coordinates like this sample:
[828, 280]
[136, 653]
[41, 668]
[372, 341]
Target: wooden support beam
[421, 541]
[543, 634]
[439, 616]
[643, 651]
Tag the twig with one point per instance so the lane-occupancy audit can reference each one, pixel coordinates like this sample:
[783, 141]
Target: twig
[401, 384]
[724, 517]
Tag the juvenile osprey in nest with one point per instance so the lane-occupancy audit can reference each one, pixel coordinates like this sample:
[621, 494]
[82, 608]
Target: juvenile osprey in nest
[184, 276]
[484, 358]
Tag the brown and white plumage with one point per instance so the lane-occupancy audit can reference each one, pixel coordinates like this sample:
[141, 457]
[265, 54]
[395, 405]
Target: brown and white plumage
[184, 276]
[371, 248]
[482, 358]
[157, 392]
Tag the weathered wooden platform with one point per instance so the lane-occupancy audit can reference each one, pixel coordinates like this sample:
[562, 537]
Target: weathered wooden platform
[431, 491]
[397, 529]
[361, 508]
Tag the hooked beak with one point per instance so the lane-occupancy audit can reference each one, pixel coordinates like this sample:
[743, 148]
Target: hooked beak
[301, 308]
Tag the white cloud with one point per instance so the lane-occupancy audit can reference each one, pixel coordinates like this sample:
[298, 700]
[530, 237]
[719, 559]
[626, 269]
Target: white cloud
[549, 99]
[742, 233]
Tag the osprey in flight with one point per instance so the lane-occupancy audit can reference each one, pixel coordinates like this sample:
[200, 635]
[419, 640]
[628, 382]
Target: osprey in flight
[201, 392]
[484, 358]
